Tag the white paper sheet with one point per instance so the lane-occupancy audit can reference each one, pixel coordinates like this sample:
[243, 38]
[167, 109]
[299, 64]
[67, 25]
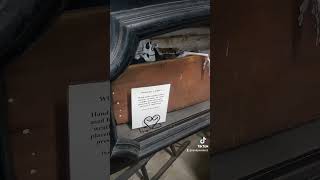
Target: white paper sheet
[149, 105]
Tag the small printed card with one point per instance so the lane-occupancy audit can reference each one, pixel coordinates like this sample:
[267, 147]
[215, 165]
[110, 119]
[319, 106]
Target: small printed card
[149, 105]
[89, 140]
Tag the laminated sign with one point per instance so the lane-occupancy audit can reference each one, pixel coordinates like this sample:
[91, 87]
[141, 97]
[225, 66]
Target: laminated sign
[89, 140]
[149, 105]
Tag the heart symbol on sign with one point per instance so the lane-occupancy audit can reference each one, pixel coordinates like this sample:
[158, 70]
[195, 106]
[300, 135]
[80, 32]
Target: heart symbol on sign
[151, 122]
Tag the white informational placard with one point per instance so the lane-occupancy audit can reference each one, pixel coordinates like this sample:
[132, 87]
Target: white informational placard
[89, 140]
[149, 105]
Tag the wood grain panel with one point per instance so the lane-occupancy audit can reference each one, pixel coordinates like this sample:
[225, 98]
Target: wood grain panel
[266, 73]
[190, 84]
[74, 50]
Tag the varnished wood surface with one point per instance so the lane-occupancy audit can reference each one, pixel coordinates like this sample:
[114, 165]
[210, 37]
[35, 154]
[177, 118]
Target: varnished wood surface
[73, 51]
[190, 84]
[267, 76]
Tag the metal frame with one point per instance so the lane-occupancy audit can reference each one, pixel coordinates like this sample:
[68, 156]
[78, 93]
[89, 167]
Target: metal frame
[141, 165]
[128, 27]
[152, 142]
